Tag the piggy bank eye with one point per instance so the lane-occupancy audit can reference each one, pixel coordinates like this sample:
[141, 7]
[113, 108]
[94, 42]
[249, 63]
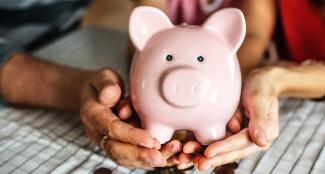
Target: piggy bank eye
[200, 58]
[169, 57]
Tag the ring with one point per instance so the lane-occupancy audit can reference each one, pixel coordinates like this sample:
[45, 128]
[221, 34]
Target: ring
[103, 141]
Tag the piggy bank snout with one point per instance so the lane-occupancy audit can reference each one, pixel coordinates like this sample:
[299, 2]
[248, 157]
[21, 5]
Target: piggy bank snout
[183, 87]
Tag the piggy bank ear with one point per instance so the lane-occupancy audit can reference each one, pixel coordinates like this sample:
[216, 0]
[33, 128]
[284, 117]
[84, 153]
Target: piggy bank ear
[230, 24]
[144, 23]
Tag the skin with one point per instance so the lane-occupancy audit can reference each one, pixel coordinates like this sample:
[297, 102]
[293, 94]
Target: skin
[92, 93]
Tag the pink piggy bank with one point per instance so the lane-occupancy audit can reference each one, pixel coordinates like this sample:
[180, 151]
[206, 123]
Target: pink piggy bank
[185, 77]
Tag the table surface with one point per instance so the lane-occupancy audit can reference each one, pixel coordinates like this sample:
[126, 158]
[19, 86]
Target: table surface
[43, 141]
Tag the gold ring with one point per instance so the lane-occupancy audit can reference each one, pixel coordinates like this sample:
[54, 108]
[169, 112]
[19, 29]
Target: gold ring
[103, 141]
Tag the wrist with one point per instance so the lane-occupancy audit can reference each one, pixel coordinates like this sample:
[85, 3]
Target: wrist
[277, 78]
[269, 78]
[8, 71]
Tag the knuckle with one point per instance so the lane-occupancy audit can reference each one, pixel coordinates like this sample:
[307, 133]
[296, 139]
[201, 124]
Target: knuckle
[132, 139]
[107, 73]
[86, 110]
[112, 150]
[89, 111]
[113, 128]
[139, 157]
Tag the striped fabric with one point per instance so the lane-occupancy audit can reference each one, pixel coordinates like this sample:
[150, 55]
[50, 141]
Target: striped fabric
[40, 141]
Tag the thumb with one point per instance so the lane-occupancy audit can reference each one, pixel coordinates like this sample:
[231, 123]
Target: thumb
[263, 126]
[108, 88]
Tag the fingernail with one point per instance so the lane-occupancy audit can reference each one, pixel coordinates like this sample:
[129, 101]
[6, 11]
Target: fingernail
[123, 113]
[174, 148]
[215, 152]
[260, 135]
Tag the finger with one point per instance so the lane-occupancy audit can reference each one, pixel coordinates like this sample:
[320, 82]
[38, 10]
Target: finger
[184, 166]
[192, 147]
[196, 160]
[228, 133]
[171, 148]
[103, 120]
[126, 154]
[174, 160]
[264, 128]
[93, 135]
[184, 158]
[143, 156]
[206, 163]
[233, 143]
[96, 137]
[262, 108]
[107, 85]
[235, 122]
[185, 161]
[124, 109]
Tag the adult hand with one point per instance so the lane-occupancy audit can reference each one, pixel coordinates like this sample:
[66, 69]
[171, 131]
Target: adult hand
[126, 144]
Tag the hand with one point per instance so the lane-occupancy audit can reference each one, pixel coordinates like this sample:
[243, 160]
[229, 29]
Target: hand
[127, 145]
[170, 151]
[194, 150]
[260, 104]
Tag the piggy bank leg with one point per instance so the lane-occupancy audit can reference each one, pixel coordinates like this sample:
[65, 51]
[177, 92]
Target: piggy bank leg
[159, 131]
[208, 135]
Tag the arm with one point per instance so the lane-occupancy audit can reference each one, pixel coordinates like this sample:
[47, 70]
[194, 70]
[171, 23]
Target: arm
[260, 20]
[306, 81]
[25, 80]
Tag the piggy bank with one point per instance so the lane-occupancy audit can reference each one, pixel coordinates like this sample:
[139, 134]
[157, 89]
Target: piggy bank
[185, 77]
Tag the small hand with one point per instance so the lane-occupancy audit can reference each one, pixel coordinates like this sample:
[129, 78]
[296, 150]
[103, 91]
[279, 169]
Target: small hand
[194, 149]
[231, 149]
[261, 106]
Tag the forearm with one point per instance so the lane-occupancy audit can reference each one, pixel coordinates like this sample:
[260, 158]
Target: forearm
[260, 21]
[299, 81]
[250, 55]
[32, 82]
